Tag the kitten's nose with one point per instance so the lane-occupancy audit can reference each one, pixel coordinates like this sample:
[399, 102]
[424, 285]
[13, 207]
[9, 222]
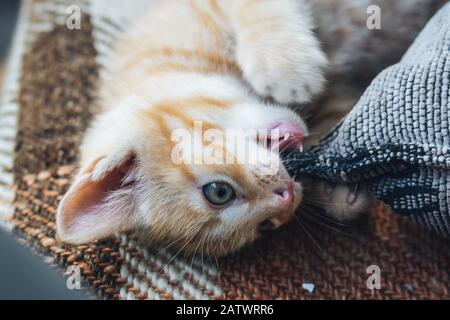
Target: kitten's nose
[285, 195]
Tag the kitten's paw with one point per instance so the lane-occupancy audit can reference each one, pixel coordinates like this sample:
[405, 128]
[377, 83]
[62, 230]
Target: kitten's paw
[341, 201]
[290, 73]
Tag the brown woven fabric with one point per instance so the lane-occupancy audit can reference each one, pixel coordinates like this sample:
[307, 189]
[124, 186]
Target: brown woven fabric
[414, 263]
[56, 98]
[34, 219]
[56, 102]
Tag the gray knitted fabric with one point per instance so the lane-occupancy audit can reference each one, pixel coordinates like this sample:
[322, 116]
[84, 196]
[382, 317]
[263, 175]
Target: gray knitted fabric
[396, 140]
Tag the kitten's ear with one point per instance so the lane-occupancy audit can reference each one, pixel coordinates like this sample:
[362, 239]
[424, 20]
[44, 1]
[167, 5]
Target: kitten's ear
[100, 202]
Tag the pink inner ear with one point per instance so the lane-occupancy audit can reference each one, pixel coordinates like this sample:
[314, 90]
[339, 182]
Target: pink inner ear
[93, 193]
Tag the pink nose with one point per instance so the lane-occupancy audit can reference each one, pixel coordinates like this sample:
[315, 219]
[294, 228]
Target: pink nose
[285, 196]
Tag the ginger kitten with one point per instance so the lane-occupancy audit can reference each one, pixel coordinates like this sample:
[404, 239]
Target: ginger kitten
[196, 61]
[213, 63]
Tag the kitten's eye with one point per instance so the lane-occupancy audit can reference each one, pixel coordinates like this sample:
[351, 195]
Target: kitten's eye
[218, 193]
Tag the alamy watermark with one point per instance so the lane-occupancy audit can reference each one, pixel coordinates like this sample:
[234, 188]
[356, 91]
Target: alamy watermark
[214, 146]
[373, 22]
[73, 281]
[373, 282]
[73, 20]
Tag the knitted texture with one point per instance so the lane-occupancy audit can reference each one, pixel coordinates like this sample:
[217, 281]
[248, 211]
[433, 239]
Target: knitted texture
[397, 138]
[47, 103]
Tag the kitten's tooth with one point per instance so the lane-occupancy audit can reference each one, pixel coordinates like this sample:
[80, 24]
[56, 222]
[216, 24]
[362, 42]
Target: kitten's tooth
[352, 195]
[276, 223]
[328, 189]
[300, 147]
[287, 135]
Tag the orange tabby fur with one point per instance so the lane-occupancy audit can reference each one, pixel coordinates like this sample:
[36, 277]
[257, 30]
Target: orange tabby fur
[187, 61]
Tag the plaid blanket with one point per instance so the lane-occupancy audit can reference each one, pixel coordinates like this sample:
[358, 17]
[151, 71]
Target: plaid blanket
[397, 138]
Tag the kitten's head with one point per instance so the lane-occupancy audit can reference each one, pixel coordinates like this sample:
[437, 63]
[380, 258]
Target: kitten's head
[185, 183]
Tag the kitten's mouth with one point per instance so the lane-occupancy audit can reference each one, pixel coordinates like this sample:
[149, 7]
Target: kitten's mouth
[284, 137]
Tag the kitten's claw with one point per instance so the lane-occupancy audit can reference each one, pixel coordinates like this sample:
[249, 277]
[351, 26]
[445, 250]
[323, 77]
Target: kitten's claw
[352, 195]
[342, 201]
